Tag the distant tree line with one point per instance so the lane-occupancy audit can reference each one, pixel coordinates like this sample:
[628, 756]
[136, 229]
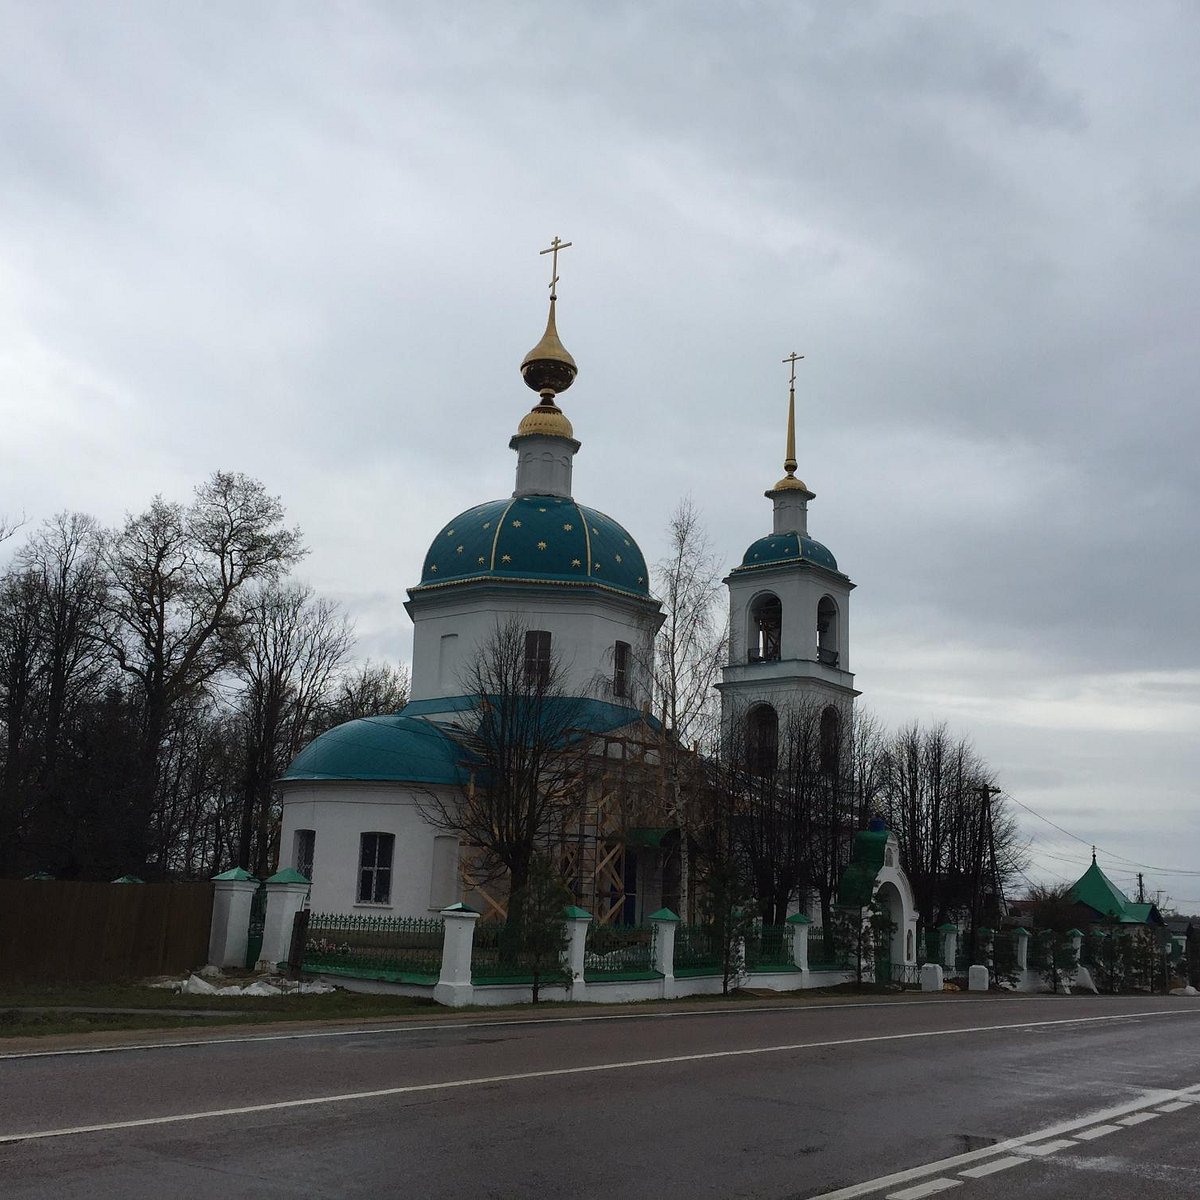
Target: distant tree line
[155, 680]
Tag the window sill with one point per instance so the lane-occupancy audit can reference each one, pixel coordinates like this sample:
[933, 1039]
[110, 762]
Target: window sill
[371, 904]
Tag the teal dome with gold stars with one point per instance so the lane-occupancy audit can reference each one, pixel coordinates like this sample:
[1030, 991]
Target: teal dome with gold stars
[779, 548]
[536, 539]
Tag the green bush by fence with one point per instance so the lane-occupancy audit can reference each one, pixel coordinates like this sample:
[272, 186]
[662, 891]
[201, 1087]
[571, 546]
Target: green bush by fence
[498, 956]
[770, 948]
[697, 951]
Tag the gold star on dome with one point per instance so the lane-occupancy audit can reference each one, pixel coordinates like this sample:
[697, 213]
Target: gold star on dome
[640, 579]
[568, 528]
[449, 532]
[481, 560]
[541, 545]
[433, 569]
[595, 531]
[575, 562]
[541, 510]
[487, 524]
[627, 541]
[516, 524]
[458, 549]
[618, 558]
[506, 558]
[595, 566]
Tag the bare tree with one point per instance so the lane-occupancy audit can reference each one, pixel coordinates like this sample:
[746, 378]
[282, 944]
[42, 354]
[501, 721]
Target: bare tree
[370, 689]
[523, 746]
[688, 652]
[175, 576]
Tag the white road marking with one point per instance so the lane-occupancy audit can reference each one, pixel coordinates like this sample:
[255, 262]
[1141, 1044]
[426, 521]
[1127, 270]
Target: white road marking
[925, 1189]
[1088, 1135]
[1174, 1106]
[1001, 1164]
[1048, 1147]
[958, 1161]
[450, 1024]
[629, 1064]
[1138, 1119]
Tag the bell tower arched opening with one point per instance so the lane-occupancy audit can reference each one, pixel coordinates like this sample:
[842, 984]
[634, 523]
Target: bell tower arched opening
[827, 631]
[766, 628]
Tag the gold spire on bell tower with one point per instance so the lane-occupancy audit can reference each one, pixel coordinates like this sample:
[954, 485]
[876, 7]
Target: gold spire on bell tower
[789, 482]
[549, 368]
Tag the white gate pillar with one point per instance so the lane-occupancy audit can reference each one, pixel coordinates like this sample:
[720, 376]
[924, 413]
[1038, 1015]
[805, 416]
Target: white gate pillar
[1021, 937]
[800, 926]
[233, 893]
[578, 920]
[664, 922]
[454, 986]
[287, 891]
[949, 934]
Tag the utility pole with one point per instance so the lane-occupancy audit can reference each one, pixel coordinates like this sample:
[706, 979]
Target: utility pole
[1141, 889]
[985, 791]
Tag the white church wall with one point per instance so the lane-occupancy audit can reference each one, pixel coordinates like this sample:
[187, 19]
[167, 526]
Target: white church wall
[449, 630]
[340, 812]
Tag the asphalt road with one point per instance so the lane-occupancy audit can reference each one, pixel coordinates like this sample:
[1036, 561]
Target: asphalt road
[980, 1096]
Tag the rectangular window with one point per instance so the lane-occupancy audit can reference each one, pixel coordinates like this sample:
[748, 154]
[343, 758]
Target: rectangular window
[537, 658]
[375, 868]
[621, 669]
[306, 845]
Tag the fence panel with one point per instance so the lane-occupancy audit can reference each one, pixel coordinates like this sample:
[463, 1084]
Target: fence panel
[619, 952]
[65, 930]
[499, 956]
[396, 949]
[828, 953]
[770, 948]
[697, 951]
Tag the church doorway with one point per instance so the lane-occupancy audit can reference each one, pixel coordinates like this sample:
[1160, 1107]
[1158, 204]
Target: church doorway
[889, 942]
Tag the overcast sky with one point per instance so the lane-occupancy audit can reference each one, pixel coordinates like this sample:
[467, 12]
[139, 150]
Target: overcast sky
[300, 241]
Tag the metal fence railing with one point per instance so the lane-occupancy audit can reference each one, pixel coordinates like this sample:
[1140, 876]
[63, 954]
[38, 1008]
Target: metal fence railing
[374, 947]
[828, 952]
[499, 955]
[770, 948]
[906, 974]
[619, 952]
[697, 951]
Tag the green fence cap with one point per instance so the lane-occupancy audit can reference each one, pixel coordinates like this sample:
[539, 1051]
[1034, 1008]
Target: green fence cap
[663, 914]
[289, 875]
[1074, 933]
[238, 874]
[1021, 929]
[460, 907]
[985, 929]
[574, 913]
[948, 925]
[40, 875]
[128, 879]
[799, 919]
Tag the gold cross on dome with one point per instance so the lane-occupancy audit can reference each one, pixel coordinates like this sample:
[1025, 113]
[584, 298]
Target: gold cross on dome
[556, 244]
[793, 358]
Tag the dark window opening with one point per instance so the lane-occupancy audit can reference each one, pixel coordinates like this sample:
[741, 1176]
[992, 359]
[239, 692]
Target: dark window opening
[831, 739]
[306, 845]
[766, 624]
[762, 740]
[537, 658]
[827, 632]
[375, 868]
[620, 684]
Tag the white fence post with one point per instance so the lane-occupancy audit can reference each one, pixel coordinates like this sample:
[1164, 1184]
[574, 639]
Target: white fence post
[1021, 937]
[286, 892]
[233, 893]
[664, 922]
[949, 934]
[578, 920]
[800, 924]
[454, 986]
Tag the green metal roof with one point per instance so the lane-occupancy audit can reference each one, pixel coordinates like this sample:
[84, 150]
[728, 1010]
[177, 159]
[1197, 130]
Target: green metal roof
[536, 539]
[1100, 894]
[866, 861]
[779, 548]
[405, 747]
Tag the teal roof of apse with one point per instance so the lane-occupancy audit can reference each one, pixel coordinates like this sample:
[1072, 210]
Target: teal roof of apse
[405, 747]
[779, 548]
[536, 539]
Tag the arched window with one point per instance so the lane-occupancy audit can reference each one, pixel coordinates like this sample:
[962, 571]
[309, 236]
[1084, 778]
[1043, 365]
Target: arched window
[831, 739]
[827, 632]
[762, 739]
[766, 623]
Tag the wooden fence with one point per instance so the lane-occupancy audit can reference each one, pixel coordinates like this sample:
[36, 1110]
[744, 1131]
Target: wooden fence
[54, 930]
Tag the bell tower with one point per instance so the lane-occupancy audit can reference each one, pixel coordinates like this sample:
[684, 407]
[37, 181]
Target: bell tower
[789, 618]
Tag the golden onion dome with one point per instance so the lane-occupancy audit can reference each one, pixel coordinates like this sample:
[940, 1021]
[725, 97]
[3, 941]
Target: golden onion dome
[547, 420]
[789, 483]
[548, 368]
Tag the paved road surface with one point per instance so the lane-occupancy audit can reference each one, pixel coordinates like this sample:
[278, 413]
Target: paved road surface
[982, 1097]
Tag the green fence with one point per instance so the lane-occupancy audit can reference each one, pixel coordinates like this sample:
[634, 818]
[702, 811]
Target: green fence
[697, 951]
[396, 949]
[616, 952]
[770, 948]
[832, 953]
[499, 956]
